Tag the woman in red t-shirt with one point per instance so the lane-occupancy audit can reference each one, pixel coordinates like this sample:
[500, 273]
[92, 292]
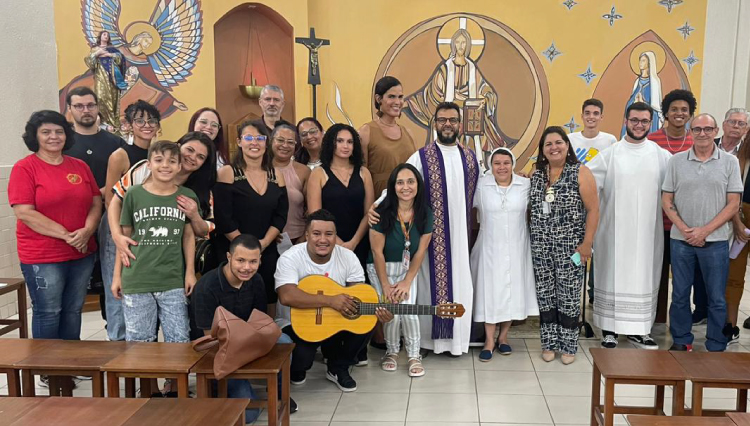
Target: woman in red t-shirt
[58, 205]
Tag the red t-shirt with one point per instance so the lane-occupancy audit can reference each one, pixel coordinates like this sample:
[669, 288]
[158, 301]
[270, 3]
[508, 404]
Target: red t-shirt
[673, 146]
[63, 193]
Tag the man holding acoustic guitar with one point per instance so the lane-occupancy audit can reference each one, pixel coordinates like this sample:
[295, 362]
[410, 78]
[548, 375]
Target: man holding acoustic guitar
[320, 255]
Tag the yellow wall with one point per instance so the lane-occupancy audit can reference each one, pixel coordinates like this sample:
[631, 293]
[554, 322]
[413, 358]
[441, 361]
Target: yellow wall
[362, 31]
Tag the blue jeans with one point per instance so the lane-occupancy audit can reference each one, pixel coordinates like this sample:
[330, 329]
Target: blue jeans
[240, 388]
[142, 309]
[57, 291]
[713, 260]
[107, 251]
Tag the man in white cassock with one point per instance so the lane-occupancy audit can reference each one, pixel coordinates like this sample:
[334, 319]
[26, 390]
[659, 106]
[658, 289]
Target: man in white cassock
[450, 172]
[629, 242]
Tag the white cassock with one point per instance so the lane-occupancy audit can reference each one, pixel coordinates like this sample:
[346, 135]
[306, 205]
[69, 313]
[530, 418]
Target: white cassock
[463, 291]
[629, 241]
[501, 265]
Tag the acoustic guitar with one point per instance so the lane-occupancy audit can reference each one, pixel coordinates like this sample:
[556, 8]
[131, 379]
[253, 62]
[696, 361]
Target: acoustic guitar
[317, 324]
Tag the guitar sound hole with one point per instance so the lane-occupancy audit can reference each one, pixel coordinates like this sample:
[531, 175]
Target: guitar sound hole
[355, 314]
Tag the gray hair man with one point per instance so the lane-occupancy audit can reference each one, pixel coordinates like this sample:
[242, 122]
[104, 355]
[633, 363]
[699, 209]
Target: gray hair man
[271, 102]
[734, 128]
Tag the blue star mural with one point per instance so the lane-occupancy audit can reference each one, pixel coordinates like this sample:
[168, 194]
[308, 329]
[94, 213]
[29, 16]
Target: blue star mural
[612, 16]
[588, 75]
[569, 4]
[551, 53]
[685, 30]
[571, 125]
[670, 4]
[691, 60]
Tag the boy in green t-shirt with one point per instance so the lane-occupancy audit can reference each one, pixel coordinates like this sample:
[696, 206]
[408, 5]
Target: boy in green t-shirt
[161, 276]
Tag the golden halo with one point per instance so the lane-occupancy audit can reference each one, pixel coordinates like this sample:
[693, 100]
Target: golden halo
[449, 29]
[635, 55]
[139, 27]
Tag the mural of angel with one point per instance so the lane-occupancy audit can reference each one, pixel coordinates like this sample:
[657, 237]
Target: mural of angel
[156, 55]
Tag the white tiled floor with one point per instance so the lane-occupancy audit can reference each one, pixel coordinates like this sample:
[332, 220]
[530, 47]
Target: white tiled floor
[515, 390]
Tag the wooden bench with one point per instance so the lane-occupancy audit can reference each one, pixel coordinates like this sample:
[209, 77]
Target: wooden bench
[59, 358]
[17, 285]
[636, 420]
[13, 351]
[151, 361]
[739, 419]
[634, 367]
[119, 412]
[266, 368]
[716, 370]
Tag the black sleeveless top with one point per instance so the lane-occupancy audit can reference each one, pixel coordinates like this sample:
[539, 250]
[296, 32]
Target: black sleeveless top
[348, 206]
[135, 153]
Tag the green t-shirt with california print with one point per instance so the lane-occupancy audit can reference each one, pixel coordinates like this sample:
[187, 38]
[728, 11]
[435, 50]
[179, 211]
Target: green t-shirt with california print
[158, 227]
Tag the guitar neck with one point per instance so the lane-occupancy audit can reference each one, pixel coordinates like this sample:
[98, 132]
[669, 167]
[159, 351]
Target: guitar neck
[397, 309]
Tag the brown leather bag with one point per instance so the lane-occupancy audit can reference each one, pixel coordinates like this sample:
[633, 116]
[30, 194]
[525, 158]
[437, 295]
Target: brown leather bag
[239, 342]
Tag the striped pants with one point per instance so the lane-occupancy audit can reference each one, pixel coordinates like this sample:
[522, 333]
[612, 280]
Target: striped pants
[406, 324]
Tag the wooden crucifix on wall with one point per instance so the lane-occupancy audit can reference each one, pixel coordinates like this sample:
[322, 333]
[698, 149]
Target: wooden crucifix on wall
[313, 44]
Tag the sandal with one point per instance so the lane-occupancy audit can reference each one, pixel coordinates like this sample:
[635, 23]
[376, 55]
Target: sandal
[389, 362]
[416, 369]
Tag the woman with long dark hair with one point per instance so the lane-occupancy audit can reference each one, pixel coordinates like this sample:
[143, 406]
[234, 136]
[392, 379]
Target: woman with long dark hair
[251, 198]
[208, 121]
[343, 186]
[385, 143]
[399, 244]
[564, 216]
[310, 133]
[108, 66]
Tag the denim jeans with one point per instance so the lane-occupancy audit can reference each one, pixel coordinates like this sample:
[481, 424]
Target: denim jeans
[142, 309]
[57, 291]
[713, 260]
[240, 388]
[113, 306]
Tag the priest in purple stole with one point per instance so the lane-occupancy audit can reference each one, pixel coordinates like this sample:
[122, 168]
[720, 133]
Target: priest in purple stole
[450, 173]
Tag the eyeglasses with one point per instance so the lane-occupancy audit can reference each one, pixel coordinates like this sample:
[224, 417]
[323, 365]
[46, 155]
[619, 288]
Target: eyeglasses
[737, 123]
[214, 125]
[442, 120]
[282, 141]
[635, 122]
[250, 138]
[152, 122]
[312, 132]
[81, 107]
[707, 130]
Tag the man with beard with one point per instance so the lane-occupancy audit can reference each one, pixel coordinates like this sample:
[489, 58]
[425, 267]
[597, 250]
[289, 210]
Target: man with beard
[271, 102]
[237, 287]
[630, 240]
[702, 192]
[320, 255]
[450, 172]
[92, 145]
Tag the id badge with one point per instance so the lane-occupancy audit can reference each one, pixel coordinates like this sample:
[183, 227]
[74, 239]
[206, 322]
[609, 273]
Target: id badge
[406, 259]
[545, 207]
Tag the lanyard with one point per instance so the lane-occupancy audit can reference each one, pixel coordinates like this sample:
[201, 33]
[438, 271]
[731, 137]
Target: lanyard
[406, 232]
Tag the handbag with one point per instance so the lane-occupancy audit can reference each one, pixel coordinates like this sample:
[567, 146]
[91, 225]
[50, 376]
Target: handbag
[239, 342]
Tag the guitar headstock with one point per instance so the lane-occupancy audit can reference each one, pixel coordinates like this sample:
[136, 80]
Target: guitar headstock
[450, 310]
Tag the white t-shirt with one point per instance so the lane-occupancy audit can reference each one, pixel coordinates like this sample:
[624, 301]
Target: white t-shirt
[296, 264]
[586, 149]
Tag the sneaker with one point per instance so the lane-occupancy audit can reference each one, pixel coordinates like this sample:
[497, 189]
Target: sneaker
[298, 378]
[343, 380]
[732, 333]
[293, 408]
[681, 348]
[504, 349]
[644, 342]
[609, 341]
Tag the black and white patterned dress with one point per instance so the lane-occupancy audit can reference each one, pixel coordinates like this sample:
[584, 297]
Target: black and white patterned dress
[556, 232]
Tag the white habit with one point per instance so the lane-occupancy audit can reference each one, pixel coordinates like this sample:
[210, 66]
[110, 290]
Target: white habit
[501, 258]
[463, 291]
[629, 242]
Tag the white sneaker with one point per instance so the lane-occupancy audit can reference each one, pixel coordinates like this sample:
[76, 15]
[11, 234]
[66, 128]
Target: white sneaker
[609, 341]
[644, 342]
